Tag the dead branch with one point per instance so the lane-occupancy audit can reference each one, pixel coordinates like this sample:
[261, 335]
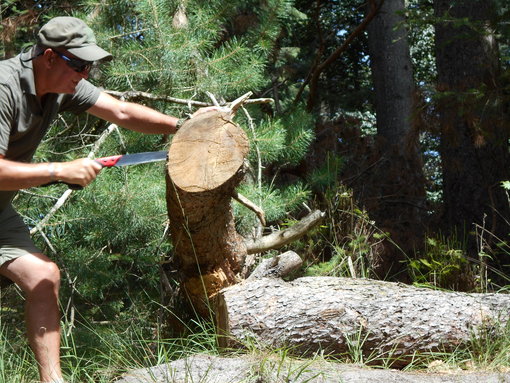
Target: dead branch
[259, 228]
[65, 196]
[280, 238]
[239, 102]
[250, 205]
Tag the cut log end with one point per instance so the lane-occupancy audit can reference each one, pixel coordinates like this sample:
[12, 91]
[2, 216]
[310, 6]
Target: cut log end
[206, 152]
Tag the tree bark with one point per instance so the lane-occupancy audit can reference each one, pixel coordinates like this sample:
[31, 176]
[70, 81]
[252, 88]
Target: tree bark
[394, 194]
[473, 122]
[392, 71]
[204, 167]
[278, 266]
[341, 315]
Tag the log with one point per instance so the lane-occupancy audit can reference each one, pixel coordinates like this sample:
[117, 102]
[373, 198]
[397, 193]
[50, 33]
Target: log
[219, 369]
[207, 152]
[278, 266]
[205, 164]
[334, 315]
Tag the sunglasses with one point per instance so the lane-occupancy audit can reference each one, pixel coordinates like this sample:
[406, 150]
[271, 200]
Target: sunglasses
[77, 65]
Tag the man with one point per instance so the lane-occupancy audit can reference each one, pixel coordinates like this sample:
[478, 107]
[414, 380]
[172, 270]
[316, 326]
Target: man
[34, 87]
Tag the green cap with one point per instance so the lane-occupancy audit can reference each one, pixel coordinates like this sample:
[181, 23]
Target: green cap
[73, 35]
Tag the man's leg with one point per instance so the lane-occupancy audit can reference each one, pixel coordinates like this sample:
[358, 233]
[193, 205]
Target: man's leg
[39, 278]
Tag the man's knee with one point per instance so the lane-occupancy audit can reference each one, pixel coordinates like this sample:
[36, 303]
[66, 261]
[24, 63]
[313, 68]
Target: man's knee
[49, 271]
[42, 277]
[32, 272]
[46, 275]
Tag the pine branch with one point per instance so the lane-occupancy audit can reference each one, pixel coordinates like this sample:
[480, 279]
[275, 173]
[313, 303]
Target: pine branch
[137, 95]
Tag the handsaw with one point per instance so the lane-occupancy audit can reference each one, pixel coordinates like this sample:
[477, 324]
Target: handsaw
[122, 160]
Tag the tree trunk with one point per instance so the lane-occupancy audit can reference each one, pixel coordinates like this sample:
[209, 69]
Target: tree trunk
[474, 129]
[394, 194]
[340, 315]
[204, 167]
[392, 71]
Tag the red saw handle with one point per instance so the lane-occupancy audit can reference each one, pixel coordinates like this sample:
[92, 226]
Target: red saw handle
[108, 162]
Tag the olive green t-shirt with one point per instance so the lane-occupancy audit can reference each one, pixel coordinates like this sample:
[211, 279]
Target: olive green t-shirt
[24, 119]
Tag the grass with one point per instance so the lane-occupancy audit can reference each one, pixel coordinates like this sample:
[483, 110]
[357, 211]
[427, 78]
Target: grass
[17, 363]
[99, 352]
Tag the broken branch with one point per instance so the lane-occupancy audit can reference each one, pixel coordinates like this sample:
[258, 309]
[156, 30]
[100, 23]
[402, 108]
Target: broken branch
[283, 237]
[250, 205]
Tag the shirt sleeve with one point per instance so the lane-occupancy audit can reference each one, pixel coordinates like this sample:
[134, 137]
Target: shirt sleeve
[85, 97]
[6, 118]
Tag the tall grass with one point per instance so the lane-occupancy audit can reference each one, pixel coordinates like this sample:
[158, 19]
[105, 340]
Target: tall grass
[17, 363]
[100, 352]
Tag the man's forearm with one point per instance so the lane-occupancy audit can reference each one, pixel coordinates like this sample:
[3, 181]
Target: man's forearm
[133, 116]
[146, 120]
[19, 175]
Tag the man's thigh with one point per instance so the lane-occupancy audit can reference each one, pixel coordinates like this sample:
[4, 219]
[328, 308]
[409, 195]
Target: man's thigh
[15, 241]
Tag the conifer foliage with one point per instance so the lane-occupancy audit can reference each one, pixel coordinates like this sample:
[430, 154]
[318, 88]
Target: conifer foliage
[110, 237]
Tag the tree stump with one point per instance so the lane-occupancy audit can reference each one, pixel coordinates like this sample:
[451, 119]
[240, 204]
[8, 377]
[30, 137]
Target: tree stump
[341, 315]
[205, 165]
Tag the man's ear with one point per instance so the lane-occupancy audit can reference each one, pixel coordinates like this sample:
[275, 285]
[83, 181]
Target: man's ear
[49, 56]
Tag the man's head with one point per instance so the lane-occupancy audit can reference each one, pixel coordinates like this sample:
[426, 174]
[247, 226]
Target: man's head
[66, 50]
[72, 35]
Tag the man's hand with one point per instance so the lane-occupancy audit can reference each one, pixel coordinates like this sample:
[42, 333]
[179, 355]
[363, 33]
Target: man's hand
[19, 175]
[78, 172]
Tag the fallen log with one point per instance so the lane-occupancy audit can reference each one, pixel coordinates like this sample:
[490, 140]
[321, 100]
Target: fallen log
[217, 369]
[381, 320]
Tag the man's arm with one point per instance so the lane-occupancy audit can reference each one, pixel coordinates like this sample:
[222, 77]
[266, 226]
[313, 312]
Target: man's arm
[133, 116]
[18, 175]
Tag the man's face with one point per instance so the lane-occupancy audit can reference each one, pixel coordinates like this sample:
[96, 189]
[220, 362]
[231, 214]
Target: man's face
[66, 71]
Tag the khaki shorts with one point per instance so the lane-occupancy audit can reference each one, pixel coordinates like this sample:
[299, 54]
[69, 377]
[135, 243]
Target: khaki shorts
[15, 238]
